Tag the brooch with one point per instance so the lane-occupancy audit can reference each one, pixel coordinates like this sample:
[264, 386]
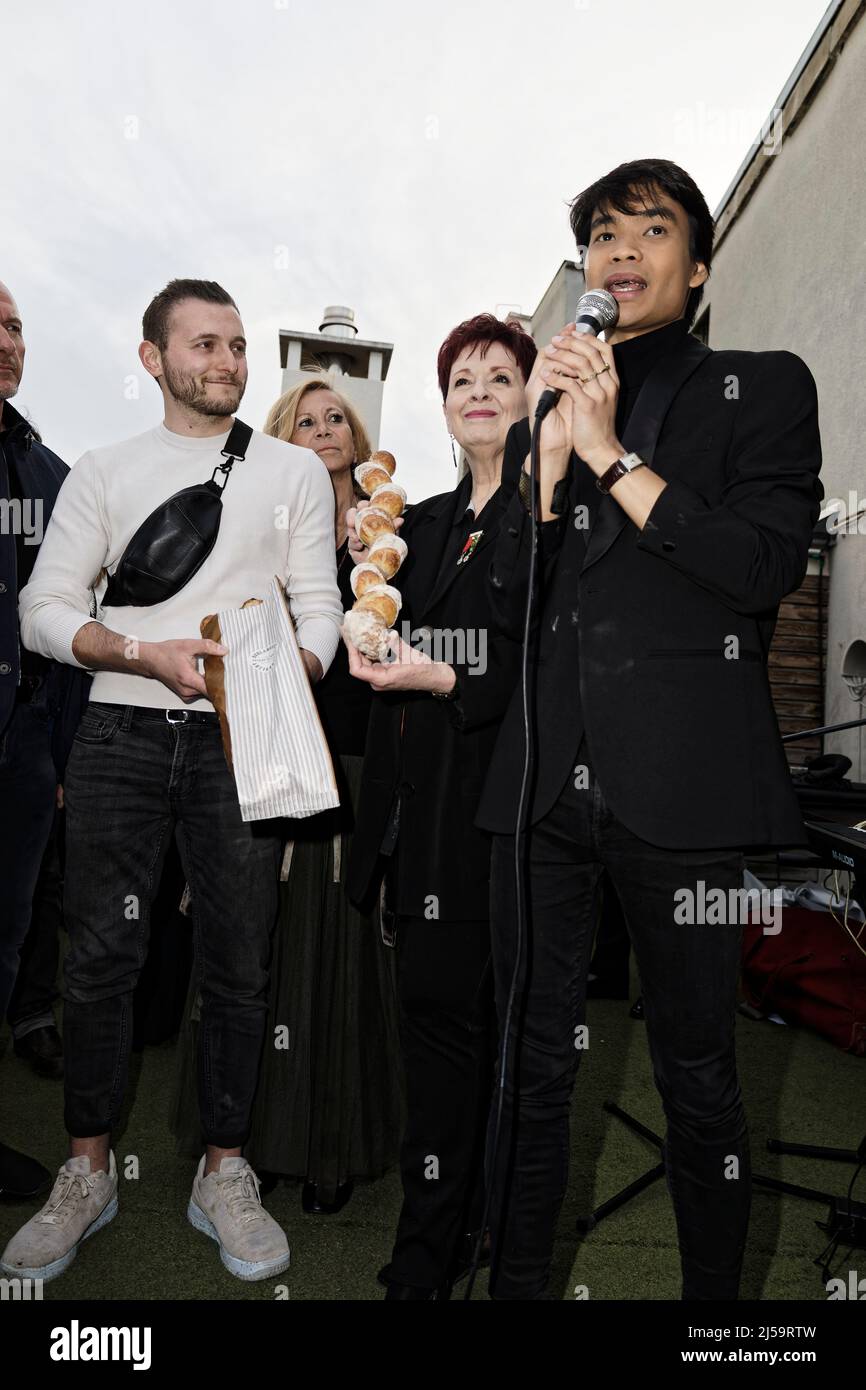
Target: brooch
[471, 541]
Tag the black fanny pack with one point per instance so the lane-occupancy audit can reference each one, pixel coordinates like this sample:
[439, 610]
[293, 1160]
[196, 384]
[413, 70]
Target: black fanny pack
[172, 544]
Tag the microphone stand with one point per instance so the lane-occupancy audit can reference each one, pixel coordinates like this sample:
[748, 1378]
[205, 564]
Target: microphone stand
[527, 673]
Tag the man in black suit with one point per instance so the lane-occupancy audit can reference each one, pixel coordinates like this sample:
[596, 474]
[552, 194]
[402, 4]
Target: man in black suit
[678, 491]
[37, 703]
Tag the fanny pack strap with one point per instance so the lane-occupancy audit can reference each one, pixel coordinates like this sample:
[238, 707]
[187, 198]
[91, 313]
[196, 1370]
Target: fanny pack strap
[124, 585]
[234, 452]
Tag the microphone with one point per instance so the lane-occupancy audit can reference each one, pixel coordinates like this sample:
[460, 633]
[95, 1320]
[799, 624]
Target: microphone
[596, 310]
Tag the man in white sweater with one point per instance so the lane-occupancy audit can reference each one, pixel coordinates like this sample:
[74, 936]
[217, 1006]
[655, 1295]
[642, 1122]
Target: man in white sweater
[148, 761]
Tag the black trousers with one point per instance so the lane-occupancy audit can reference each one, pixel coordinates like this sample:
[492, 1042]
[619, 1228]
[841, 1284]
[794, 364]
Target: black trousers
[28, 786]
[448, 1038]
[689, 976]
[36, 993]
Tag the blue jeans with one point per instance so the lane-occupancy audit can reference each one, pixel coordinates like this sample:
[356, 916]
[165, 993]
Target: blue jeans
[28, 784]
[133, 778]
[689, 978]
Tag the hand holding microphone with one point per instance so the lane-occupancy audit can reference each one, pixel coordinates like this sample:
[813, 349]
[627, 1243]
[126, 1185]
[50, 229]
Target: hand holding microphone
[555, 436]
[579, 369]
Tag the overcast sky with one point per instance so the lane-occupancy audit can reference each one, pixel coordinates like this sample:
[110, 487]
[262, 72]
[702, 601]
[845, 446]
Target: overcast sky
[413, 161]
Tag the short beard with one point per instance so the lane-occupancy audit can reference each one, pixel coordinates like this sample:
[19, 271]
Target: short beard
[186, 391]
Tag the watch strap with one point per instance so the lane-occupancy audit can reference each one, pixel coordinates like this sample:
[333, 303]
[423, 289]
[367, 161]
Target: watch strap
[627, 464]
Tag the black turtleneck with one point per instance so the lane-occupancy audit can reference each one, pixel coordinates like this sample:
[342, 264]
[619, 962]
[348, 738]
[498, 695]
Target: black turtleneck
[635, 359]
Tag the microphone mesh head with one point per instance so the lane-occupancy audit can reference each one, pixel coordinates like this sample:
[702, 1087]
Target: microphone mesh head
[601, 305]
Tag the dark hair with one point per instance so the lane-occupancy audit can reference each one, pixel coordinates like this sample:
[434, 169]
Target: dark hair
[483, 331]
[157, 315]
[629, 187]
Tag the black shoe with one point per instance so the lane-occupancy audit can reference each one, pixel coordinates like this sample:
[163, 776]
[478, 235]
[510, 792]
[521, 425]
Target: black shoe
[43, 1050]
[21, 1176]
[637, 1010]
[409, 1291]
[314, 1206]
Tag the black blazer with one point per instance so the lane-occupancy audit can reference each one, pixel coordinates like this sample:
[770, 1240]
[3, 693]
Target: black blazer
[436, 752]
[41, 475]
[685, 742]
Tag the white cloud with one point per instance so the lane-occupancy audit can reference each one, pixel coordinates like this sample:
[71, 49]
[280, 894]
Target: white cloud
[416, 160]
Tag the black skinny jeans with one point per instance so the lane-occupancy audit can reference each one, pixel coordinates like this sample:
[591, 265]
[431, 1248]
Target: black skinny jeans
[689, 978]
[133, 777]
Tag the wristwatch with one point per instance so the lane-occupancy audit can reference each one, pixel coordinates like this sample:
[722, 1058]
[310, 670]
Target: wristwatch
[627, 464]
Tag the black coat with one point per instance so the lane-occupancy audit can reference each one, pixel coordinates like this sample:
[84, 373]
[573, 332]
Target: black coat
[684, 741]
[40, 473]
[437, 752]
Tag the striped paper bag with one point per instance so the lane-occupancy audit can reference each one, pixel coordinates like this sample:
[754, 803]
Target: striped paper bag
[272, 734]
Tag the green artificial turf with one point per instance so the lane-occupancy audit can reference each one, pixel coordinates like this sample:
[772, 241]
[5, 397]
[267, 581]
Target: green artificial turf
[796, 1086]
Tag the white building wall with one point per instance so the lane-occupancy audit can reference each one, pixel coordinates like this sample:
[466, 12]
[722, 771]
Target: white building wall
[791, 273]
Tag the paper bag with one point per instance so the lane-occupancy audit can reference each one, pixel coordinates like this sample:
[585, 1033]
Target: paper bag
[272, 734]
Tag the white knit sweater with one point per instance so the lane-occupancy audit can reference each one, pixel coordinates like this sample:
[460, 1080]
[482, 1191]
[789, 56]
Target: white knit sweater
[278, 519]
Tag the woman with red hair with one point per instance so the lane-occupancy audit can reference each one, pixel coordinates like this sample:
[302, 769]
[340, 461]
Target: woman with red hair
[435, 716]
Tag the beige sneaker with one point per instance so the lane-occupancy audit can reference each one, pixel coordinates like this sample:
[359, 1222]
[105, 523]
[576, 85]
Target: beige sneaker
[80, 1203]
[227, 1207]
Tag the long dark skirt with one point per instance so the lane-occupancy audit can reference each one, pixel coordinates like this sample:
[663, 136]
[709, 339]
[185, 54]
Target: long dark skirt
[329, 1104]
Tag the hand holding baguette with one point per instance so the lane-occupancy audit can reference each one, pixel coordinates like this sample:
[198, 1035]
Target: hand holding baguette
[215, 675]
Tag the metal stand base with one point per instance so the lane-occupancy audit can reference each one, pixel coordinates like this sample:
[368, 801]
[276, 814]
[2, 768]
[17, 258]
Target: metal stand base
[588, 1223]
[841, 1212]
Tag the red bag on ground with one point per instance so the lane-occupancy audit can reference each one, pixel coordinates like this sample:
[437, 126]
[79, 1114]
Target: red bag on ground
[811, 974]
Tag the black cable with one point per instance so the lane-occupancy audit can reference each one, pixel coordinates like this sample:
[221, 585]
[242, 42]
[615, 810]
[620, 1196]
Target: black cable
[857, 1171]
[528, 762]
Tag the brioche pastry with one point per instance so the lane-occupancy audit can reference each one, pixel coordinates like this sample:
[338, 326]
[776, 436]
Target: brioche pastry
[363, 576]
[367, 624]
[371, 523]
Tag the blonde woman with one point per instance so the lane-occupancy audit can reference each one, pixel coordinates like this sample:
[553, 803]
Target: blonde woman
[329, 1108]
